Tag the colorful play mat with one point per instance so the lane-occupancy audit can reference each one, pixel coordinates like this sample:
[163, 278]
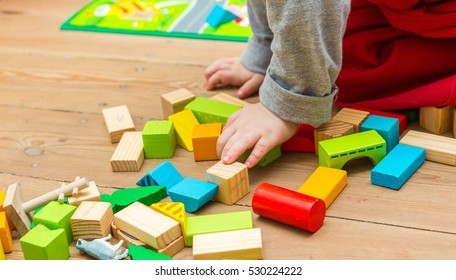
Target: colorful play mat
[201, 19]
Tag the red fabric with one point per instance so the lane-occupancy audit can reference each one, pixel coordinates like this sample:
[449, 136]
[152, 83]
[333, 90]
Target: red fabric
[399, 55]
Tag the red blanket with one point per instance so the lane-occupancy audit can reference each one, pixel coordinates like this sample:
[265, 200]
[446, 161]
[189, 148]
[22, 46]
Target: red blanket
[399, 55]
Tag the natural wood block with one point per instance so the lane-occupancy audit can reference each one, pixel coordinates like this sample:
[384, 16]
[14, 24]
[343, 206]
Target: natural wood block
[193, 193]
[402, 118]
[165, 174]
[235, 245]
[438, 148]
[127, 238]
[204, 139]
[118, 120]
[331, 129]
[387, 127]
[437, 120]
[41, 243]
[6, 239]
[55, 215]
[325, 183]
[159, 138]
[175, 101]
[92, 220]
[129, 153]
[174, 247]
[184, 121]
[88, 194]
[212, 223]
[232, 180]
[229, 99]
[351, 116]
[174, 210]
[211, 111]
[136, 221]
[122, 198]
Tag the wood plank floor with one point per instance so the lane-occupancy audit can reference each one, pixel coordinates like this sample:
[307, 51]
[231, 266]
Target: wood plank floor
[54, 85]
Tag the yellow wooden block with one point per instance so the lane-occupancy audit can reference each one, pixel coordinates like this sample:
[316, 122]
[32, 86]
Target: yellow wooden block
[232, 180]
[331, 129]
[6, 238]
[325, 183]
[184, 121]
[229, 99]
[229, 245]
[92, 220]
[118, 120]
[174, 210]
[204, 139]
[2, 199]
[437, 120]
[351, 116]
[88, 194]
[148, 225]
[175, 101]
[129, 154]
[2, 253]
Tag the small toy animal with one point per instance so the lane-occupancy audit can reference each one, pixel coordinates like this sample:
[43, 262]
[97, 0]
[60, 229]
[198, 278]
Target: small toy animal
[101, 249]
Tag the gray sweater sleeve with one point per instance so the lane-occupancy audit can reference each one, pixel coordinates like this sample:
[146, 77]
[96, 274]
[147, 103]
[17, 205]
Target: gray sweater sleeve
[298, 46]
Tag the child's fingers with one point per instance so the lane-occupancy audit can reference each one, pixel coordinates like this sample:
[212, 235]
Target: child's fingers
[221, 64]
[262, 147]
[251, 86]
[240, 142]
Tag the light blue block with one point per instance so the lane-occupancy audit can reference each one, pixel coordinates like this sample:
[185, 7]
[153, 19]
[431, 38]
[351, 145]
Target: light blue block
[398, 166]
[164, 174]
[387, 127]
[193, 193]
[219, 15]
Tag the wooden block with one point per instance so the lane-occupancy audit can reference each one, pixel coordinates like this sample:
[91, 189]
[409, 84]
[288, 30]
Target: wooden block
[2, 253]
[2, 200]
[437, 120]
[88, 194]
[122, 198]
[118, 120]
[184, 121]
[6, 239]
[398, 166]
[193, 193]
[231, 245]
[129, 153]
[175, 101]
[92, 220]
[325, 183]
[204, 139]
[438, 148]
[54, 216]
[174, 247]
[289, 207]
[211, 111]
[220, 222]
[142, 253]
[223, 97]
[387, 127]
[232, 181]
[41, 243]
[303, 140]
[136, 221]
[351, 116]
[174, 210]
[159, 138]
[402, 118]
[127, 238]
[270, 156]
[331, 129]
[337, 151]
[165, 174]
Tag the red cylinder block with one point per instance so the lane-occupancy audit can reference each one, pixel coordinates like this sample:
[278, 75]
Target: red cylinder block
[289, 207]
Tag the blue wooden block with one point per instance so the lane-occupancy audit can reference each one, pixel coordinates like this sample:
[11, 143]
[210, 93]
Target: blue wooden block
[387, 127]
[397, 166]
[164, 174]
[219, 15]
[193, 193]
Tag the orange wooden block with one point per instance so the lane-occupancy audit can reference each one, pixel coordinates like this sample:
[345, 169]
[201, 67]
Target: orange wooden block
[5, 234]
[204, 140]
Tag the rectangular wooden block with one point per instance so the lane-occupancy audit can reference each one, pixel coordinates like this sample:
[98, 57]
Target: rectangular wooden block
[159, 138]
[148, 225]
[92, 220]
[231, 245]
[175, 101]
[387, 127]
[351, 116]
[118, 120]
[193, 193]
[204, 139]
[129, 153]
[211, 111]
[437, 120]
[6, 238]
[229, 99]
[325, 183]
[438, 148]
[184, 121]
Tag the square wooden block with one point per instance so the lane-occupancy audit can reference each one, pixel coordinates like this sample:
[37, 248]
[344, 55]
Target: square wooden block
[204, 139]
[118, 120]
[159, 138]
[175, 101]
[437, 120]
[92, 220]
[41, 243]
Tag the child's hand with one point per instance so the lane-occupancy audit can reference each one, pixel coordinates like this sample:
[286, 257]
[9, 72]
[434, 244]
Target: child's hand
[230, 71]
[254, 126]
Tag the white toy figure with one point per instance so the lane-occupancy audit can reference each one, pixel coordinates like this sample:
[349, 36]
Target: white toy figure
[101, 249]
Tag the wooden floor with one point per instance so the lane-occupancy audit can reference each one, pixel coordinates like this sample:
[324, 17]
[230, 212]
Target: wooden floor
[54, 85]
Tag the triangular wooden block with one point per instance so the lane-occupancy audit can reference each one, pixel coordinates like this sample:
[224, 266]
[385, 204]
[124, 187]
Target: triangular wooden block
[174, 210]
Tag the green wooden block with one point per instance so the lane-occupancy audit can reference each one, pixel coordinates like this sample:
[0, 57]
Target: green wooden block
[54, 216]
[336, 152]
[142, 253]
[159, 138]
[217, 223]
[272, 155]
[211, 111]
[122, 198]
[41, 243]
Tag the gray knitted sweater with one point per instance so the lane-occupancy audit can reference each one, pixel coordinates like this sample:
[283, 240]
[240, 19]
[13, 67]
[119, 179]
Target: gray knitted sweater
[297, 44]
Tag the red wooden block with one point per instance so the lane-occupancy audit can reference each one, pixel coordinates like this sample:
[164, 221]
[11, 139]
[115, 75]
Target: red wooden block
[402, 118]
[289, 207]
[302, 141]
